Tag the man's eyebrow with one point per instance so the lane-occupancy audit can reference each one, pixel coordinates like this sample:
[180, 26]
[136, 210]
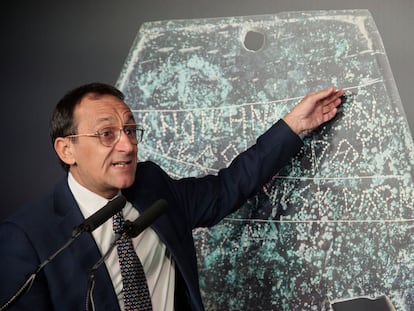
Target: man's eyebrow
[104, 120]
[129, 119]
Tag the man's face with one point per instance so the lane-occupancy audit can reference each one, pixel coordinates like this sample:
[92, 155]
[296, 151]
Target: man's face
[101, 169]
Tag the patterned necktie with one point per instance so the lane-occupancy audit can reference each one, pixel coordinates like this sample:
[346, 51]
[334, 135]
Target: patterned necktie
[136, 292]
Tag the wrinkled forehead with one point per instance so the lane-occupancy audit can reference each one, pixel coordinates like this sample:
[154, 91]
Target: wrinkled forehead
[103, 109]
[125, 117]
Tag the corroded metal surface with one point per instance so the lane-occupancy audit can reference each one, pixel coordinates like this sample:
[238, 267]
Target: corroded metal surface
[337, 221]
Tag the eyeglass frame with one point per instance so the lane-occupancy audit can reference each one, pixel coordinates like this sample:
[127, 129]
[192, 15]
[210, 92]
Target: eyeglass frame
[120, 129]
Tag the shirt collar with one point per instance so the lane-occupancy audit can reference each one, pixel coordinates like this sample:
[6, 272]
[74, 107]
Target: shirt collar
[89, 202]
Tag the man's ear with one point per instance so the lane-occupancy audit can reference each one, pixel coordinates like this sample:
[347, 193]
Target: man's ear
[63, 148]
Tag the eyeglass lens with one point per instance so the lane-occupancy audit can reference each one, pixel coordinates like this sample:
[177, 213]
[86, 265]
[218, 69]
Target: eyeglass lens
[110, 136]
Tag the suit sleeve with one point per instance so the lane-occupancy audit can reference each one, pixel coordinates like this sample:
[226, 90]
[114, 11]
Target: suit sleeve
[209, 199]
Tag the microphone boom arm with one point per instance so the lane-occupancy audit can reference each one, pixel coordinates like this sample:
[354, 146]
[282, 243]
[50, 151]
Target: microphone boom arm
[29, 281]
[88, 225]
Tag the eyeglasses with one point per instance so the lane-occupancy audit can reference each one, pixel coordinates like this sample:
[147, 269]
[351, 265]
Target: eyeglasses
[109, 136]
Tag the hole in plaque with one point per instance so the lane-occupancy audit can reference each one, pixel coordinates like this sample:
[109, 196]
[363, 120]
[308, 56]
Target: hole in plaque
[254, 40]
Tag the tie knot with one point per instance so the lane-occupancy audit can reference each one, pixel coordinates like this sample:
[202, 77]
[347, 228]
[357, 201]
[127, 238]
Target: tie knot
[118, 222]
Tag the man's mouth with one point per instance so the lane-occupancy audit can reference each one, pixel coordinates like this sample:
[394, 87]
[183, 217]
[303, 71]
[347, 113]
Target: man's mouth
[122, 163]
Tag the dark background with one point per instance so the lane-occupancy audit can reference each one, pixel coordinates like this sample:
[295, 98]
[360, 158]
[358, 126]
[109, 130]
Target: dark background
[49, 47]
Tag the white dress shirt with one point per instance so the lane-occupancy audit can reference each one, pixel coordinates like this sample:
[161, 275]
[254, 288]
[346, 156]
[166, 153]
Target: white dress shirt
[158, 265]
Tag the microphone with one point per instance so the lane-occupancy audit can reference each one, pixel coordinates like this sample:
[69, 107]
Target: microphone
[89, 224]
[132, 229]
[102, 215]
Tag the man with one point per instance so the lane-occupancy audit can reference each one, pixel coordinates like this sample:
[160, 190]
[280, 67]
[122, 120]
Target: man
[94, 135]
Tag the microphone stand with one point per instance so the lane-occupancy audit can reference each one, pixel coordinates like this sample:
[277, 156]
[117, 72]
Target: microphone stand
[131, 229]
[90, 305]
[29, 281]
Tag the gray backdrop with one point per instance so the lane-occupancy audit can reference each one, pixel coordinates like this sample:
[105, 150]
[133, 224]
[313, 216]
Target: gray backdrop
[50, 47]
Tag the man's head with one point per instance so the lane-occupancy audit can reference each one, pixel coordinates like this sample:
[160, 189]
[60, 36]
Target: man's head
[80, 126]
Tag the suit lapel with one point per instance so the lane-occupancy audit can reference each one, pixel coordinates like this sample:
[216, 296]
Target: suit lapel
[83, 253]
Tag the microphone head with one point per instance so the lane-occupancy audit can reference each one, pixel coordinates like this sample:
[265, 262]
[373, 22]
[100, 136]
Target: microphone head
[103, 214]
[133, 229]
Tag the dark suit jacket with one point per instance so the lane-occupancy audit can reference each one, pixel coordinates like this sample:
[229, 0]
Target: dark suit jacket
[37, 231]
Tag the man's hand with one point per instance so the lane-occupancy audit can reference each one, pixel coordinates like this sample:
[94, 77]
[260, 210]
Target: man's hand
[314, 109]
